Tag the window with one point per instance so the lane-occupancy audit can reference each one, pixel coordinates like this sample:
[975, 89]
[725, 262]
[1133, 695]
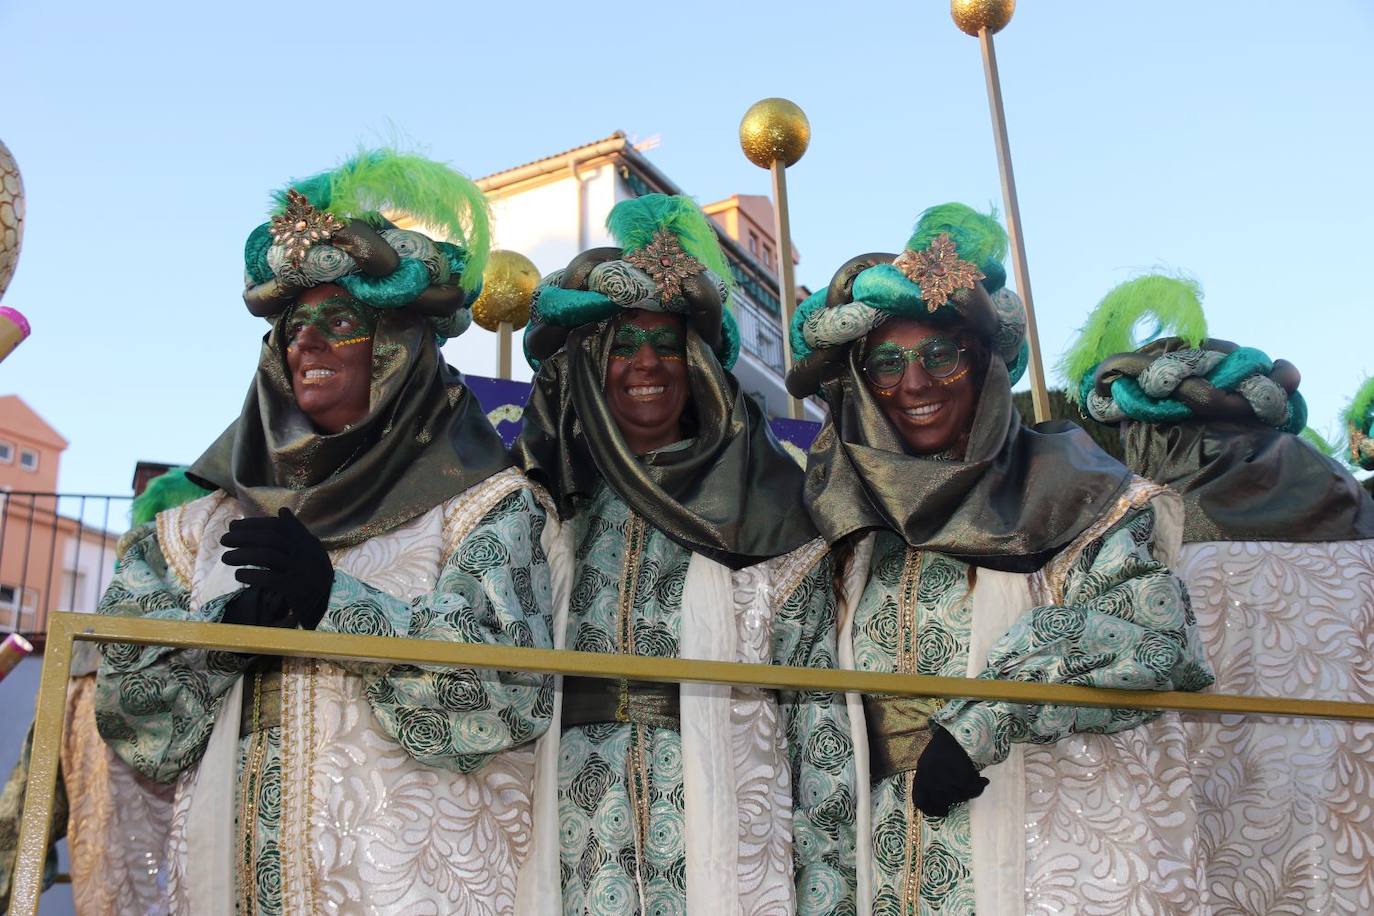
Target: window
[767, 257]
[6, 453]
[754, 243]
[28, 459]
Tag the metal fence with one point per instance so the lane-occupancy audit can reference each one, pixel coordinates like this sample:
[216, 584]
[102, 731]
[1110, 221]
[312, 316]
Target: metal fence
[57, 551]
[760, 332]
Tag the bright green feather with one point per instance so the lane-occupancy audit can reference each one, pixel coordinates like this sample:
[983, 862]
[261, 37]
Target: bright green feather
[166, 491]
[1360, 413]
[634, 222]
[1176, 304]
[978, 237]
[429, 192]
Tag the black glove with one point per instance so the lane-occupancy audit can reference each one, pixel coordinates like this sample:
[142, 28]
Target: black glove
[295, 568]
[945, 776]
[255, 607]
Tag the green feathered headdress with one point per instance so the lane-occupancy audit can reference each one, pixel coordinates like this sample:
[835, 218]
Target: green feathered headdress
[669, 260]
[1359, 421]
[951, 270]
[1174, 303]
[1178, 377]
[337, 227]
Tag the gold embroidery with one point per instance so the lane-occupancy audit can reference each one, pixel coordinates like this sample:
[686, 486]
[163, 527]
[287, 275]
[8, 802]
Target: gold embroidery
[938, 271]
[906, 611]
[248, 806]
[911, 864]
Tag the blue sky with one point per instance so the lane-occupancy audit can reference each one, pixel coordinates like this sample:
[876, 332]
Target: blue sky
[1227, 139]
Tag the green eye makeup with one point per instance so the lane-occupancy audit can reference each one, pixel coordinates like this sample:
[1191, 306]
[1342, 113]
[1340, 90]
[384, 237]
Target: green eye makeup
[339, 320]
[667, 342]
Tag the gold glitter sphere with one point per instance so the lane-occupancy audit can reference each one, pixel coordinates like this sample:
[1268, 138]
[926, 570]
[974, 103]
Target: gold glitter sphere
[774, 130]
[11, 216]
[972, 15]
[507, 289]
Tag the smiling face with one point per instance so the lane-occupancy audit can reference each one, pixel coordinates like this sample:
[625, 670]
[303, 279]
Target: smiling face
[329, 354]
[646, 379]
[931, 413]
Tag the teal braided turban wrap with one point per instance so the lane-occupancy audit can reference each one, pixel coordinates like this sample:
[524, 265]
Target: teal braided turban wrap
[330, 229]
[1217, 422]
[951, 273]
[670, 261]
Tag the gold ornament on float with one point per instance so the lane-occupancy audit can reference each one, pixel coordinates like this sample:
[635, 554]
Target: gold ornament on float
[508, 286]
[774, 130]
[11, 216]
[972, 15]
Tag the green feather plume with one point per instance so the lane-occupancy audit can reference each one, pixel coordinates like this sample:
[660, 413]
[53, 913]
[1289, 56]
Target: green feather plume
[166, 491]
[1174, 302]
[429, 192]
[1361, 410]
[978, 237]
[634, 222]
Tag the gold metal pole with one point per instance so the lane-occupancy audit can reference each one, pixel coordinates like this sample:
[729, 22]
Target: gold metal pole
[774, 134]
[41, 792]
[503, 333]
[787, 285]
[1039, 394]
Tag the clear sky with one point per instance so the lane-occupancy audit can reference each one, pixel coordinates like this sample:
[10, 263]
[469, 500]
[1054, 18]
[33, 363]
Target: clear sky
[1228, 139]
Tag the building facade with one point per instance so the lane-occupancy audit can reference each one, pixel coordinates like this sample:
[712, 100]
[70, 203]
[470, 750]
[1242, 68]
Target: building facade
[55, 551]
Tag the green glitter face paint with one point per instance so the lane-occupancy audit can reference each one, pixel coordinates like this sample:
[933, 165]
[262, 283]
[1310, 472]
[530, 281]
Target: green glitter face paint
[667, 342]
[340, 320]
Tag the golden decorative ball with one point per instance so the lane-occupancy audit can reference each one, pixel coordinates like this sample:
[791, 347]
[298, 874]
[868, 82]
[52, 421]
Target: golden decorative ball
[508, 286]
[11, 216]
[972, 15]
[774, 130]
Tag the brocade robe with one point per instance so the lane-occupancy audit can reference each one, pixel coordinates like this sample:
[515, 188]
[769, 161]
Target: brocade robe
[623, 806]
[1285, 805]
[383, 789]
[1087, 811]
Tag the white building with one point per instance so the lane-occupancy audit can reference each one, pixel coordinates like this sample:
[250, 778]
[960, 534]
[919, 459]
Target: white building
[553, 208]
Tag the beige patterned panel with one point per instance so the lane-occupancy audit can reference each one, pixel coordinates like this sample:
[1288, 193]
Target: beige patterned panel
[1110, 819]
[119, 820]
[1286, 805]
[385, 833]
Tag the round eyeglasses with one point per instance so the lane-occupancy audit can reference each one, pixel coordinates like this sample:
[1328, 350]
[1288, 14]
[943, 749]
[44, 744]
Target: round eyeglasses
[886, 363]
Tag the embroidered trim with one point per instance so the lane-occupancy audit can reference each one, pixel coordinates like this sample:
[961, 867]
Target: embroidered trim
[794, 567]
[465, 511]
[1138, 493]
[180, 531]
[911, 867]
[906, 611]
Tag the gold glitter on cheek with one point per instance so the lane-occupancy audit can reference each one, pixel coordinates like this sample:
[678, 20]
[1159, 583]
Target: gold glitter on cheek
[350, 341]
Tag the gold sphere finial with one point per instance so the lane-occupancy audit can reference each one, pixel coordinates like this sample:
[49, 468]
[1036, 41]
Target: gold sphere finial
[508, 286]
[11, 215]
[972, 15]
[774, 130]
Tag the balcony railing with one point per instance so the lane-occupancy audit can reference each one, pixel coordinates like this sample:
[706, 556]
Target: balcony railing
[760, 332]
[57, 550]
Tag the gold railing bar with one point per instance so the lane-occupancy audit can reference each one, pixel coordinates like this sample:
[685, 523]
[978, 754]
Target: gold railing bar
[64, 628]
[305, 644]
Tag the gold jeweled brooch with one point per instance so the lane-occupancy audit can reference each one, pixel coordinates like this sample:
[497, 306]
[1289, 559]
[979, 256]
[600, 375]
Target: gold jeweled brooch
[666, 262]
[301, 225]
[938, 271]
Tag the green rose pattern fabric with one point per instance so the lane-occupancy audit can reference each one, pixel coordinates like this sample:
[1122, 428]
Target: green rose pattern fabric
[156, 706]
[599, 863]
[494, 590]
[943, 621]
[1125, 622]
